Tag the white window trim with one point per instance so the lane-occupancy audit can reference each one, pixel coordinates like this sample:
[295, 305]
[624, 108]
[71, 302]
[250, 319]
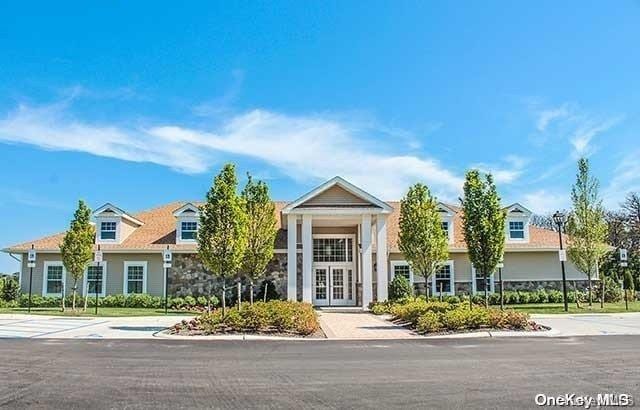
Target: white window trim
[125, 285]
[85, 285]
[99, 229]
[182, 219]
[337, 236]
[449, 221]
[401, 263]
[492, 282]
[45, 275]
[525, 226]
[452, 280]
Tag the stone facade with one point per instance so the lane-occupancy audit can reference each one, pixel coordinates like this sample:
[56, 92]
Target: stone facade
[187, 276]
[547, 285]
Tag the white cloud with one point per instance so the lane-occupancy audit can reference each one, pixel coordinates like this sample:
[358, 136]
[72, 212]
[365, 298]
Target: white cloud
[546, 116]
[515, 166]
[586, 131]
[302, 147]
[543, 201]
[626, 179]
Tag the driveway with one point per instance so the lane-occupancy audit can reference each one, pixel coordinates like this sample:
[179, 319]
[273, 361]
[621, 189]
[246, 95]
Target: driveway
[591, 324]
[38, 327]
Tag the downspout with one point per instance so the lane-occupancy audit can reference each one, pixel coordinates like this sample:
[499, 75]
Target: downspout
[20, 271]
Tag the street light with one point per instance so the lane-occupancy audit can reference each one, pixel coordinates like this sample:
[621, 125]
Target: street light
[31, 263]
[560, 219]
[500, 266]
[166, 258]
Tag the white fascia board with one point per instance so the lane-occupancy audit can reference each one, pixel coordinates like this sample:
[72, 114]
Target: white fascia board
[336, 211]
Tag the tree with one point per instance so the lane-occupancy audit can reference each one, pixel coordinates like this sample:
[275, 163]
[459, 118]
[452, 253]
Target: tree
[483, 222]
[261, 230]
[77, 245]
[421, 238]
[222, 237]
[586, 225]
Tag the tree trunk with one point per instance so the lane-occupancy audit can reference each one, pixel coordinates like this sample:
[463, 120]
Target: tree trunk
[62, 301]
[602, 291]
[251, 293]
[266, 287]
[589, 290]
[75, 288]
[575, 291]
[86, 296]
[239, 295]
[486, 293]
[501, 292]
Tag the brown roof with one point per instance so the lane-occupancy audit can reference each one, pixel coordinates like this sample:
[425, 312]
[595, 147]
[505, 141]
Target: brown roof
[159, 230]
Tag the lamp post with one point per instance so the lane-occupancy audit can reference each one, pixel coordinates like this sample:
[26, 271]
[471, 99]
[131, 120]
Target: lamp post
[560, 219]
[500, 266]
[31, 263]
[623, 264]
[97, 258]
[166, 258]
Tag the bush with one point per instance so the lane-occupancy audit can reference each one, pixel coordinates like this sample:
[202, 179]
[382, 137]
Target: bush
[9, 289]
[400, 288]
[452, 299]
[380, 308]
[410, 311]
[273, 316]
[455, 319]
[555, 296]
[612, 290]
[494, 299]
[429, 322]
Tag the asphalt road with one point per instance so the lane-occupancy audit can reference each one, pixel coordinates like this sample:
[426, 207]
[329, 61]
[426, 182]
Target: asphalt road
[460, 373]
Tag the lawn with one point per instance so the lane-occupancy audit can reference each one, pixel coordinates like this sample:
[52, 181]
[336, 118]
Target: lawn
[102, 312]
[617, 307]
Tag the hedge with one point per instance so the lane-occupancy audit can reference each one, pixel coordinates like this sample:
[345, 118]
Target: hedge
[118, 301]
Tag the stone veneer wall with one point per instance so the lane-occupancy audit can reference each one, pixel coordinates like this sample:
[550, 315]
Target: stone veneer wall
[188, 277]
[462, 288]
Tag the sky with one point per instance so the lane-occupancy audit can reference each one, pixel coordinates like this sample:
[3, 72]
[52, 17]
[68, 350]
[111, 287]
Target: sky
[141, 103]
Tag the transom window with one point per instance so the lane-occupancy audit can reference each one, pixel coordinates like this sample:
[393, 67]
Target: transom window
[332, 250]
[443, 280]
[188, 231]
[95, 278]
[516, 229]
[55, 279]
[108, 230]
[135, 278]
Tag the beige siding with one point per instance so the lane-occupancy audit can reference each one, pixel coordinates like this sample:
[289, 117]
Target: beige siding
[335, 195]
[520, 266]
[461, 266]
[115, 273]
[126, 229]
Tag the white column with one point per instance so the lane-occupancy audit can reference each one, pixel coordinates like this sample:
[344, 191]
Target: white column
[367, 285]
[292, 258]
[381, 257]
[307, 257]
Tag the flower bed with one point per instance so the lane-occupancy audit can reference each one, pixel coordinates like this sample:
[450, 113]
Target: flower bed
[434, 317]
[275, 317]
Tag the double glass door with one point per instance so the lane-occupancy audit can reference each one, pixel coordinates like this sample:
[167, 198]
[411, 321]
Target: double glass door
[334, 285]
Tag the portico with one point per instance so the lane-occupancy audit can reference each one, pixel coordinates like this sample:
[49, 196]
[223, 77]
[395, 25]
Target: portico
[338, 228]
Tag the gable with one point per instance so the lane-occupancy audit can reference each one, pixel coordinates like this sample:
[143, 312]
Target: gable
[336, 195]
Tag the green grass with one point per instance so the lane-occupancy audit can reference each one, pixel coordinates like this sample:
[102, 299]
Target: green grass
[102, 312]
[617, 307]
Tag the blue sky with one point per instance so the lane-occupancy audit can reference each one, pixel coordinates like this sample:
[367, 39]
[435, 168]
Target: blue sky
[140, 103]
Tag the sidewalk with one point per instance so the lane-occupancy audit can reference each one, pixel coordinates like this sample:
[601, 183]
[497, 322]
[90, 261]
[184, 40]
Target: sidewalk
[595, 324]
[361, 325]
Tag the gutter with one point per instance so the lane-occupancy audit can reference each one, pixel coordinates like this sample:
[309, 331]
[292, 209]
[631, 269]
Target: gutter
[13, 256]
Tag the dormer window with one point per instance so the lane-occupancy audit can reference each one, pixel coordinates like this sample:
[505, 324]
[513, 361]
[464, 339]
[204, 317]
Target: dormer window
[108, 231]
[188, 230]
[445, 228]
[516, 230]
[446, 220]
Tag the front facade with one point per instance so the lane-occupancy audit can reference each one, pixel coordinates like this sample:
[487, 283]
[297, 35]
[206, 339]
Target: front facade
[336, 246]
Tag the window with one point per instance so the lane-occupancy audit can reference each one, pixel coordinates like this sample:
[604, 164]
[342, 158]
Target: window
[95, 278]
[54, 278]
[402, 270]
[188, 231]
[480, 282]
[108, 231]
[135, 277]
[443, 279]
[516, 229]
[332, 249]
[445, 228]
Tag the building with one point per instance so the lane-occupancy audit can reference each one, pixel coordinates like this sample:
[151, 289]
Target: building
[337, 245]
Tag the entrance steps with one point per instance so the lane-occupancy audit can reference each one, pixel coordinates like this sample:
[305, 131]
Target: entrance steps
[340, 309]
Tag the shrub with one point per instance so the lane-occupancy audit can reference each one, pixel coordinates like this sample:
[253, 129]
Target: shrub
[494, 299]
[454, 319]
[612, 290]
[452, 299]
[400, 288]
[380, 308]
[114, 301]
[272, 291]
[477, 299]
[190, 301]
[176, 303]
[9, 289]
[523, 297]
[411, 311]
[555, 296]
[429, 322]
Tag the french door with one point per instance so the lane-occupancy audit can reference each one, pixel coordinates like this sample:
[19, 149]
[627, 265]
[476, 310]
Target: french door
[334, 285]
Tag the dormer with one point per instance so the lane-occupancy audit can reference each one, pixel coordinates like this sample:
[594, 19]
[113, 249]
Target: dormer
[446, 216]
[517, 223]
[113, 225]
[187, 220]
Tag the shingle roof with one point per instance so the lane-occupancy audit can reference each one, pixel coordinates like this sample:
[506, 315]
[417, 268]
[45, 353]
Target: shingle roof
[159, 230]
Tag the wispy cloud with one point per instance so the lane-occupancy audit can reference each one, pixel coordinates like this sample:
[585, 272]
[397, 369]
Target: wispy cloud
[543, 201]
[546, 116]
[587, 131]
[626, 178]
[221, 104]
[509, 171]
[301, 147]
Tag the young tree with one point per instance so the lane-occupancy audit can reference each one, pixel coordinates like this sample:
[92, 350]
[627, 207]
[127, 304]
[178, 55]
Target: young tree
[421, 238]
[483, 222]
[586, 225]
[222, 236]
[261, 230]
[77, 245]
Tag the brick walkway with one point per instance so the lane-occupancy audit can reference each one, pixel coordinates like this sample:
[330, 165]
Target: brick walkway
[339, 325]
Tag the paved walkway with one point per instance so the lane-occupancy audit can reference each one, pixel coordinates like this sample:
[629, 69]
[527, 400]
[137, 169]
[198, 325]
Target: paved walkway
[338, 325]
[591, 324]
[37, 326]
